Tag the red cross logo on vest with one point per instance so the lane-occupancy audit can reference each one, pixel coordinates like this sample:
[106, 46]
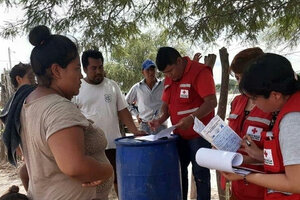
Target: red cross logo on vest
[254, 131]
[266, 154]
[268, 158]
[184, 93]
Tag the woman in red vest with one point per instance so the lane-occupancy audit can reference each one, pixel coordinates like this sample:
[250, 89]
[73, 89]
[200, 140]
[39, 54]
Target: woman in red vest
[273, 86]
[247, 119]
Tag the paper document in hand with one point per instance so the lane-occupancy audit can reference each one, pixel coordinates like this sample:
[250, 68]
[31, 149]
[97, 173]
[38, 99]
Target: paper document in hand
[163, 133]
[220, 135]
[222, 160]
[198, 125]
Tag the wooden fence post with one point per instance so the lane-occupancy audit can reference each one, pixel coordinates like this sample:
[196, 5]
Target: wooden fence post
[222, 107]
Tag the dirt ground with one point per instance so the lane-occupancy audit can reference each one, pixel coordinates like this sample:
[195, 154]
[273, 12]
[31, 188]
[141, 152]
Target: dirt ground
[9, 177]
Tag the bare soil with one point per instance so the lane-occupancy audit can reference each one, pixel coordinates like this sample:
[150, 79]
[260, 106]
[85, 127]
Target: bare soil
[9, 176]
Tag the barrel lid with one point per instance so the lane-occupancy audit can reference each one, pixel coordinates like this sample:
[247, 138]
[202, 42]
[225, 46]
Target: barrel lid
[130, 141]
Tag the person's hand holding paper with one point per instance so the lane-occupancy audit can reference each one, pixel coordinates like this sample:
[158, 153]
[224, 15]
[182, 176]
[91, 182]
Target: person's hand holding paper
[219, 134]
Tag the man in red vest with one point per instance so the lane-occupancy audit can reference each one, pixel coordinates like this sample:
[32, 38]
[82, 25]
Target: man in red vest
[189, 92]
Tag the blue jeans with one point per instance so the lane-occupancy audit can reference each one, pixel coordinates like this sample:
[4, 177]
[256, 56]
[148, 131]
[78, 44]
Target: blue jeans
[187, 150]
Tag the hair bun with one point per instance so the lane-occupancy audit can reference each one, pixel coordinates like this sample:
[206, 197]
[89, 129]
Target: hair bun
[39, 34]
[13, 189]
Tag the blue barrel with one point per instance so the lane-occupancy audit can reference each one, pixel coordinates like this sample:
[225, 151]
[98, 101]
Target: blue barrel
[148, 170]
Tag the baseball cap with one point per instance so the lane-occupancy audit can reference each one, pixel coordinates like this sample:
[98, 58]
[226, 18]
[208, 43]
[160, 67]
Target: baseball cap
[147, 64]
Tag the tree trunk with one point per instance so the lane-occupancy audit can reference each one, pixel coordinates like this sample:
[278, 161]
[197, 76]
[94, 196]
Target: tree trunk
[222, 107]
[7, 91]
[224, 83]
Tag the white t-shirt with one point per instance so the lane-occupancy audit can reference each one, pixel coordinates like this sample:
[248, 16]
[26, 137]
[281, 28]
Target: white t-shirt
[101, 103]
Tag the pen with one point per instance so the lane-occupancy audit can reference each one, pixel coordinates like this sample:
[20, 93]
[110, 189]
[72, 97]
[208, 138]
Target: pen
[154, 115]
[248, 143]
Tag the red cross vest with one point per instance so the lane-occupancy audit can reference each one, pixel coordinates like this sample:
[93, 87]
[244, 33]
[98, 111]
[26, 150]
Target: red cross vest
[183, 99]
[255, 124]
[273, 161]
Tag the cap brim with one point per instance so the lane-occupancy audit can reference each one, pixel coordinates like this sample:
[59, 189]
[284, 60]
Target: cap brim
[149, 67]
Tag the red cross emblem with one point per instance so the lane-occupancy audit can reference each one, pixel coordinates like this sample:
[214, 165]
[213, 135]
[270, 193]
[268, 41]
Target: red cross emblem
[266, 154]
[254, 131]
[183, 91]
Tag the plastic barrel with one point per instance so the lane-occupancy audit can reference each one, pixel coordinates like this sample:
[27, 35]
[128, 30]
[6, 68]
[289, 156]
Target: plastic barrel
[148, 170]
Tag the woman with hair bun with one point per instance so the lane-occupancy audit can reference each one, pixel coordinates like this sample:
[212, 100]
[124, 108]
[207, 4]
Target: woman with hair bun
[274, 87]
[64, 153]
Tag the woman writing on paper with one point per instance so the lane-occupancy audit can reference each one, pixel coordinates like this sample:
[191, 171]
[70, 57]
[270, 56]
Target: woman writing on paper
[247, 119]
[273, 86]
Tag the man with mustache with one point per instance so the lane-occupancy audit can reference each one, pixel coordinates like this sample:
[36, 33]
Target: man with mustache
[100, 100]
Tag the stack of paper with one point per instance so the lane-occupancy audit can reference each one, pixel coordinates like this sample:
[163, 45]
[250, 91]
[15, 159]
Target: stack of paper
[222, 160]
[163, 133]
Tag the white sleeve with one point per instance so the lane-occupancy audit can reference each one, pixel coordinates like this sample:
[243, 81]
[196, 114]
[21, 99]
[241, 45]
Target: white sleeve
[289, 138]
[121, 102]
[131, 99]
[131, 95]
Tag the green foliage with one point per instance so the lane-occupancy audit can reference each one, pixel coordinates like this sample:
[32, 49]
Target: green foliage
[232, 86]
[119, 73]
[108, 23]
[125, 66]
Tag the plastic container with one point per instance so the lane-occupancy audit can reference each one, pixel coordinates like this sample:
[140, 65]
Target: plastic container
[148, 170]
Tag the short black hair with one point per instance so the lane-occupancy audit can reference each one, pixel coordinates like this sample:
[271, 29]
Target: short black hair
[270, 72]
[13, 194]
[49, 49]
[90, 54]
[166, 56]
[18, 70]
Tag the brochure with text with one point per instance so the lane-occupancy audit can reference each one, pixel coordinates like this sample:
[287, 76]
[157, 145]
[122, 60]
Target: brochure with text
[219, 134]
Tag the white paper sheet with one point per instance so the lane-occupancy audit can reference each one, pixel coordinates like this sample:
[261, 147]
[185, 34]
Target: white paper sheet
[198, 125]
[163, 133]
